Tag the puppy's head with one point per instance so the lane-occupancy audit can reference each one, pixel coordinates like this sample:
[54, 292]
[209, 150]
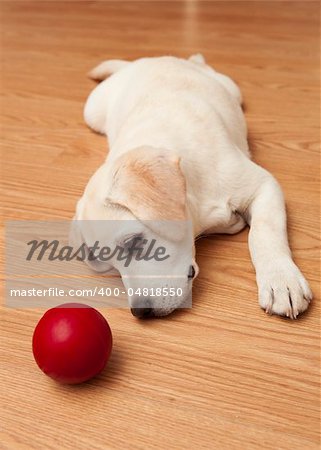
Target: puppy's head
[137, 203]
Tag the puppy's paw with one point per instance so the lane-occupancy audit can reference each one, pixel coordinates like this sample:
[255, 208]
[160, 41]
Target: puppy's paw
[283, 290]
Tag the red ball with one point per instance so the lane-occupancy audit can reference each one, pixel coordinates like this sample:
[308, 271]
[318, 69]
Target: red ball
[72, 343]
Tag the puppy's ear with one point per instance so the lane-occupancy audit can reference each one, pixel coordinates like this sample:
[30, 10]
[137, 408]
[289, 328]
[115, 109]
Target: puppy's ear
[150, 183]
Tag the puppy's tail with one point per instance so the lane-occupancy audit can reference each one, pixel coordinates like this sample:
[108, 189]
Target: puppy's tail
[106, 68]
[198, 58]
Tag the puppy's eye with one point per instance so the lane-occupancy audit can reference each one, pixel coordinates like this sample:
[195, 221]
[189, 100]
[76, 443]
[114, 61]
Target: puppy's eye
[134, 243]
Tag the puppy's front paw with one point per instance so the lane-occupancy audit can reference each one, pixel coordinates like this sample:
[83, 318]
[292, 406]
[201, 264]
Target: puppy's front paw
[283, 290]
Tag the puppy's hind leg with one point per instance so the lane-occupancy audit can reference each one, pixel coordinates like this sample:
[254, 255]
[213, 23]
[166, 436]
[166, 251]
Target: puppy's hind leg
[107, 68]
[95, 111]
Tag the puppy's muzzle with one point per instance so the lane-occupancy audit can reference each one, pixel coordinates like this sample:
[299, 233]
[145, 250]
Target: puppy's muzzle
[142, 306]
[191, 273]
[142, 313]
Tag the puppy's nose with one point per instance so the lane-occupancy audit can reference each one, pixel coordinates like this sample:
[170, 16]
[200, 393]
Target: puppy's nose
[142, 313]
[191, 272]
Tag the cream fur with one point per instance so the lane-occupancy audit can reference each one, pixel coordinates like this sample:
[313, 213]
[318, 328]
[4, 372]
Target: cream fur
[178, 149]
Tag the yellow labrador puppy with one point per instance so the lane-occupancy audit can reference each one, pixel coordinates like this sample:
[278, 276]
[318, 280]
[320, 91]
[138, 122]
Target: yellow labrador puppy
[179, 153]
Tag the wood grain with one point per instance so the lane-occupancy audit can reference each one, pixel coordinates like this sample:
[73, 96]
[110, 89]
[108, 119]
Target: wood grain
[222, 375]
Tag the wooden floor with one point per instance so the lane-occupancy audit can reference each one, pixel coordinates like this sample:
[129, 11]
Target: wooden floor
[223, 375]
